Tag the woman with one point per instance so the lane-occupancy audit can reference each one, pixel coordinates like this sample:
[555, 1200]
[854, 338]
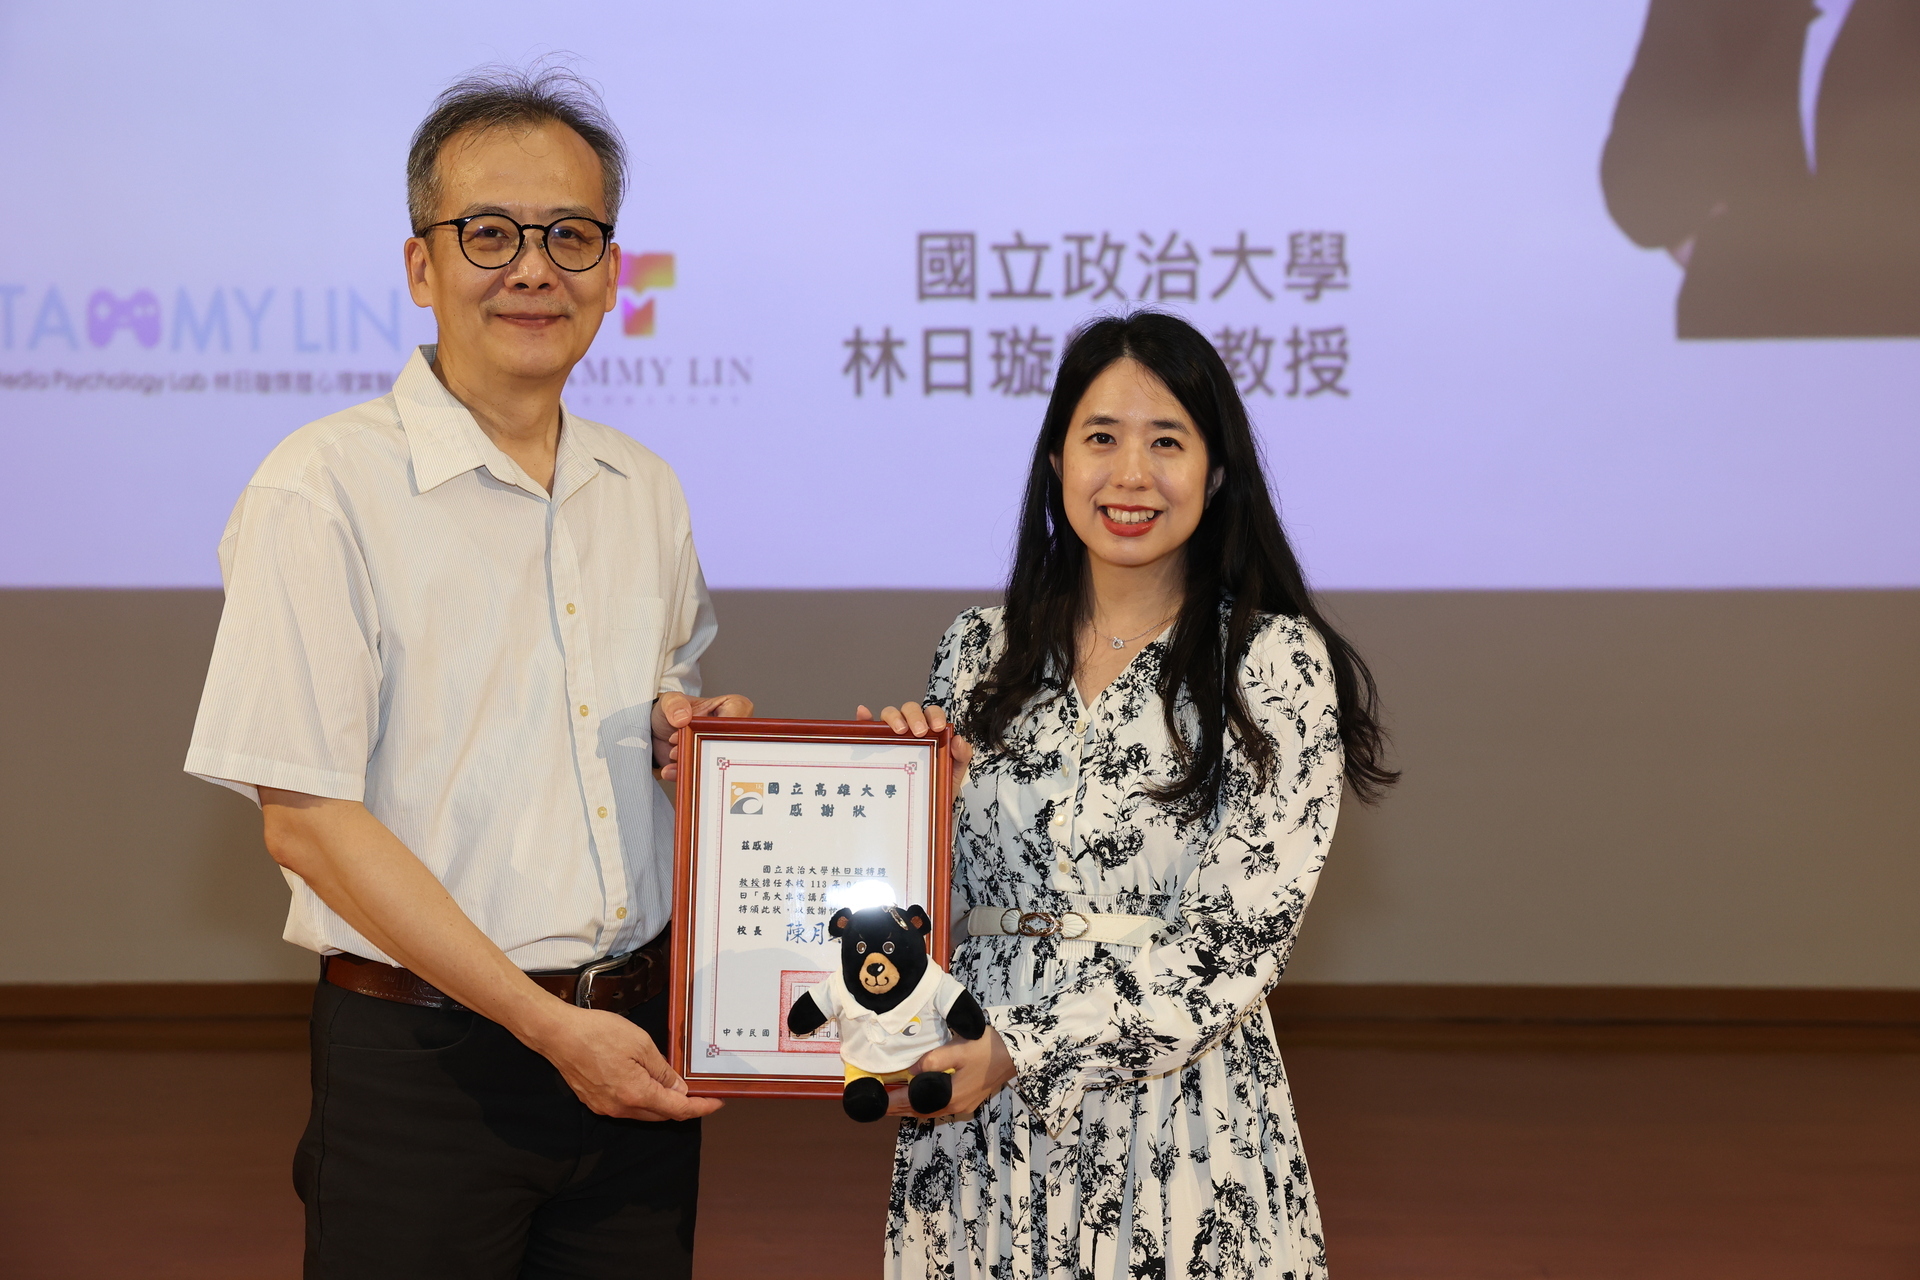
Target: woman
[1156, 730]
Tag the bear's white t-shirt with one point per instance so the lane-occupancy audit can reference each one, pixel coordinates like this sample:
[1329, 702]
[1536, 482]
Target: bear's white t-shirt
[892, 1041]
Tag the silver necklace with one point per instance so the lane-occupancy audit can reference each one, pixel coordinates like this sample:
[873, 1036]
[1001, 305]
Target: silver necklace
[1118, 643]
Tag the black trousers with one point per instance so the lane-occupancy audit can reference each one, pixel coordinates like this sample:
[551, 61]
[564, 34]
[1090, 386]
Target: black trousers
[440, 1146]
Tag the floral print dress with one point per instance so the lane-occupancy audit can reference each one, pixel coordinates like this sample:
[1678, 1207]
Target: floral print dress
[1149, 1131]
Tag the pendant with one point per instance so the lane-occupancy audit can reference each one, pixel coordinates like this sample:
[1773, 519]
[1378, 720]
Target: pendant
[1117, 644]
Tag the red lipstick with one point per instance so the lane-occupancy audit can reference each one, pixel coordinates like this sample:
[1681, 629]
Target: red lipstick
[1119, 530]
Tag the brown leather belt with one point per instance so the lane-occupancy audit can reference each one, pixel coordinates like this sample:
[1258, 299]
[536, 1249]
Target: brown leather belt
[616, 984]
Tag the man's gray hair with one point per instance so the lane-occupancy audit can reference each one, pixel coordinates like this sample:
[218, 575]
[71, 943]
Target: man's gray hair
[502, 97]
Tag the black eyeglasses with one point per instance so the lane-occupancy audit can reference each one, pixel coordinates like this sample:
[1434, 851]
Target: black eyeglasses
[491, 240]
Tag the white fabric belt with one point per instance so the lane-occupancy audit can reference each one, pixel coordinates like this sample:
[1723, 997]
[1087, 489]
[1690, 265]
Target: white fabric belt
[1075, 926]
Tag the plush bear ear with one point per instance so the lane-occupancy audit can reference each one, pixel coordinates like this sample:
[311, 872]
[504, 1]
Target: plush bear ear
[917, 920]
[841, 922]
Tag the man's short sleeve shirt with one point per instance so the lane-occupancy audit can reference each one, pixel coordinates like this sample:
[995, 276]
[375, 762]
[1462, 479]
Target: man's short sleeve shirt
[413, 622]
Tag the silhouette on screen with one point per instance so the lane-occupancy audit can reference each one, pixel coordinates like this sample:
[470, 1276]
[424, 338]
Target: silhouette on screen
[1773, 148]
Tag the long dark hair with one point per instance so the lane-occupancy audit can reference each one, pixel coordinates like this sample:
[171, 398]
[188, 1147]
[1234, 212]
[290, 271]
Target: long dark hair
[1238, 560]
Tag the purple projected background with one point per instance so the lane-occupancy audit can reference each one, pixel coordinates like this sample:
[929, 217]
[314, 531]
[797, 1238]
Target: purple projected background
[1389, 217]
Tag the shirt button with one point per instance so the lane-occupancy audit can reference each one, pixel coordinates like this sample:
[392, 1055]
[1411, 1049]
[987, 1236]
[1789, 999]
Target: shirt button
[1060, 818]
[569, 608]
[1066, 868]
[603, 811]
[1080, 727]
[621, 914]
[583, 708]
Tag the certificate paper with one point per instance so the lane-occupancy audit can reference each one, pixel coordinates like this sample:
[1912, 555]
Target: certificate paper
[780, 823]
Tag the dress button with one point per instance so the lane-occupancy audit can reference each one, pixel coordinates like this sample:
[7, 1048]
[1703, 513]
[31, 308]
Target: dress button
[1081, 727]
[1066, 868]
[583, 708]
[620, 914]
[1060, 818]
[603, 811]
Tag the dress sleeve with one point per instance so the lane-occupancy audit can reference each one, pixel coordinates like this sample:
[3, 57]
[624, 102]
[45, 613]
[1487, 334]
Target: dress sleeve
[292, 698]
[1151, 1012]
[960, 658]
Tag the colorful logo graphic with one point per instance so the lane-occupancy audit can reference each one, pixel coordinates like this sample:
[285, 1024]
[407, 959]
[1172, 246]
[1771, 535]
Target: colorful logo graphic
[746, 797]
[640, 273]
[107, 315]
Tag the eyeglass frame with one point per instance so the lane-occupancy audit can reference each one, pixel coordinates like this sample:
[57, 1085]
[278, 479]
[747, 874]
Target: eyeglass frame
[460, 226]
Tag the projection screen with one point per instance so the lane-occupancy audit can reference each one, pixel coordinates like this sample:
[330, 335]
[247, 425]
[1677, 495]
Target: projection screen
[1519, 295]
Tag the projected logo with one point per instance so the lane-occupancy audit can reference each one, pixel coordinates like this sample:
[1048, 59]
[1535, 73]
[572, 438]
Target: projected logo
[640, 275]
[328, 340]
[107, 315]
[746, 797]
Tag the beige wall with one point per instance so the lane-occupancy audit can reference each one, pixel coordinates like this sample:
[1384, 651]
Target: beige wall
[1662, 788]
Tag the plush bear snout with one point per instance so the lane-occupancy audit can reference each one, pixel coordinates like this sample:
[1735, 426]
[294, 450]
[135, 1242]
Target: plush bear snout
[878, 974]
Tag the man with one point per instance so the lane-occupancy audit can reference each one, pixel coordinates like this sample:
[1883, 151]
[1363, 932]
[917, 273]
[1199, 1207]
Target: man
[1773, 148]
[462, 626]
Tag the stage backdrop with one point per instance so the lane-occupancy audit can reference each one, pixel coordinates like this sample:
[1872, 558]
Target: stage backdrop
[857, 240]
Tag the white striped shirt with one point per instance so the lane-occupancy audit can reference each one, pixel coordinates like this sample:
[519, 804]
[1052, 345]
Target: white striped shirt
[411, 621]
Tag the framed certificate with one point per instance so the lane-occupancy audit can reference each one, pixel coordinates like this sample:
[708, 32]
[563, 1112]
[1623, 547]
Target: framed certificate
[777, 825]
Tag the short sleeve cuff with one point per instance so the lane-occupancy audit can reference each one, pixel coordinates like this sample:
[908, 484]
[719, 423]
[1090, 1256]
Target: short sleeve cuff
[247, 774]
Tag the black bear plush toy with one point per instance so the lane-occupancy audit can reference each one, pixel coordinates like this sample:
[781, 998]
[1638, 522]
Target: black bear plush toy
[890, 1004]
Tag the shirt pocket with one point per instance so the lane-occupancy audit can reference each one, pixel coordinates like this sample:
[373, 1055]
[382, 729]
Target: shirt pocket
[633, 662]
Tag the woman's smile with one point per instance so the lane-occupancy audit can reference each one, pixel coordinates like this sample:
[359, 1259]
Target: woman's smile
[1128, 522]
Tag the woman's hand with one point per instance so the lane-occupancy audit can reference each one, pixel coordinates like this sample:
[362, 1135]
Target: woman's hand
[981, 1068]
[921, 721]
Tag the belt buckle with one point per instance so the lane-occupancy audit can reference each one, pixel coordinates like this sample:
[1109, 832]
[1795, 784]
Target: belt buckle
[1052, 924]
[583, 987]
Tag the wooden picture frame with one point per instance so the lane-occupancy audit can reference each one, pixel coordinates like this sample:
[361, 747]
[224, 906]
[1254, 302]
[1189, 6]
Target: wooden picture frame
[872, 821]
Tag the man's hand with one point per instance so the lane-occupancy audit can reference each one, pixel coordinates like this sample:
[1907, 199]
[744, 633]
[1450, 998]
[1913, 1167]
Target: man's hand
[376, 884]
[981, 1068]
[672, 710]
[614, 1067]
